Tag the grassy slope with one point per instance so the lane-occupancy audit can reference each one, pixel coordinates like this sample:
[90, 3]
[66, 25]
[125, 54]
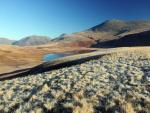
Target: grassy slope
[15, 57]
[68, 61]
[118, 82]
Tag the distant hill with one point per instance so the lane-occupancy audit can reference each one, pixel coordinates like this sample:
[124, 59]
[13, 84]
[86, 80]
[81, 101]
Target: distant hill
[6, 41]
[33, 40]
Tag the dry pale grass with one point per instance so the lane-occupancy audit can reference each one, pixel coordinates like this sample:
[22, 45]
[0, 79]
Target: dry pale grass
[112, 83]
[128, 108]
[85, 107]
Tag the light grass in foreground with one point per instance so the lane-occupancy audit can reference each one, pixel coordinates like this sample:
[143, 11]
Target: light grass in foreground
[115, 83]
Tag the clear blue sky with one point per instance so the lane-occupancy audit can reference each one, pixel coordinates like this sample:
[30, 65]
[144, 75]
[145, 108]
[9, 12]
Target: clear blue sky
[20, 18]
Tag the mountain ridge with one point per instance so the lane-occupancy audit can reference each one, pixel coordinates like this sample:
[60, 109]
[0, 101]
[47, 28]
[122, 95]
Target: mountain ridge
[32, 40]
[107, 30]
[120, 26]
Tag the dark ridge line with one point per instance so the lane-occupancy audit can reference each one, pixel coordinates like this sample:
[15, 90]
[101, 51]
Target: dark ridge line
[16, 71]
[47, 66]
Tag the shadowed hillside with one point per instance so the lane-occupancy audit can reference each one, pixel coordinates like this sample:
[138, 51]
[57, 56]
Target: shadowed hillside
[138, 39]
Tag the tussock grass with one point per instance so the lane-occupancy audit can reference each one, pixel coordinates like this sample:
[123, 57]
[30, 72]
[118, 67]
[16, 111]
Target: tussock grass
[117, 82]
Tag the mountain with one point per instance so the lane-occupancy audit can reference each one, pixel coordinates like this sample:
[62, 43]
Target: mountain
[106, 31]
[6, 41]
[33, 40]
[118, 26]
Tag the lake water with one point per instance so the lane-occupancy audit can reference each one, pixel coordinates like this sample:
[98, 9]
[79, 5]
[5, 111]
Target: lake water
[50, 57]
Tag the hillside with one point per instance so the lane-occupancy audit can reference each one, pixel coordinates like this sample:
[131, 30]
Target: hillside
[137, 39]
[5, 41]
[110, 83]
[19, 57]
[85, 38]
[32, 40]
[106, 31]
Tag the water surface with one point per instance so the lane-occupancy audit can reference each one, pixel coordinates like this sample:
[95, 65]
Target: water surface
[49, 57]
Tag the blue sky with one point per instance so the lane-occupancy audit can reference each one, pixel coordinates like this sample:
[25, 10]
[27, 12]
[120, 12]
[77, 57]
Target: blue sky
[20, 18]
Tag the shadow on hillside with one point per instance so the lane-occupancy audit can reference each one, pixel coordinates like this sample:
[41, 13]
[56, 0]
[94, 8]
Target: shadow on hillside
[138, 39]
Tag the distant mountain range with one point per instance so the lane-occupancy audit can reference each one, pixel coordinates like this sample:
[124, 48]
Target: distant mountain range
[32, 40]
[95, 36]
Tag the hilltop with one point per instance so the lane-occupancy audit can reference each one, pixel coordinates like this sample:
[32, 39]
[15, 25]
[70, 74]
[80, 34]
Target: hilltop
[119, 26]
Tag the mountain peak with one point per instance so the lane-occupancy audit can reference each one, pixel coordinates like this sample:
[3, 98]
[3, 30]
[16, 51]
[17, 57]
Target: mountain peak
[119, 26]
